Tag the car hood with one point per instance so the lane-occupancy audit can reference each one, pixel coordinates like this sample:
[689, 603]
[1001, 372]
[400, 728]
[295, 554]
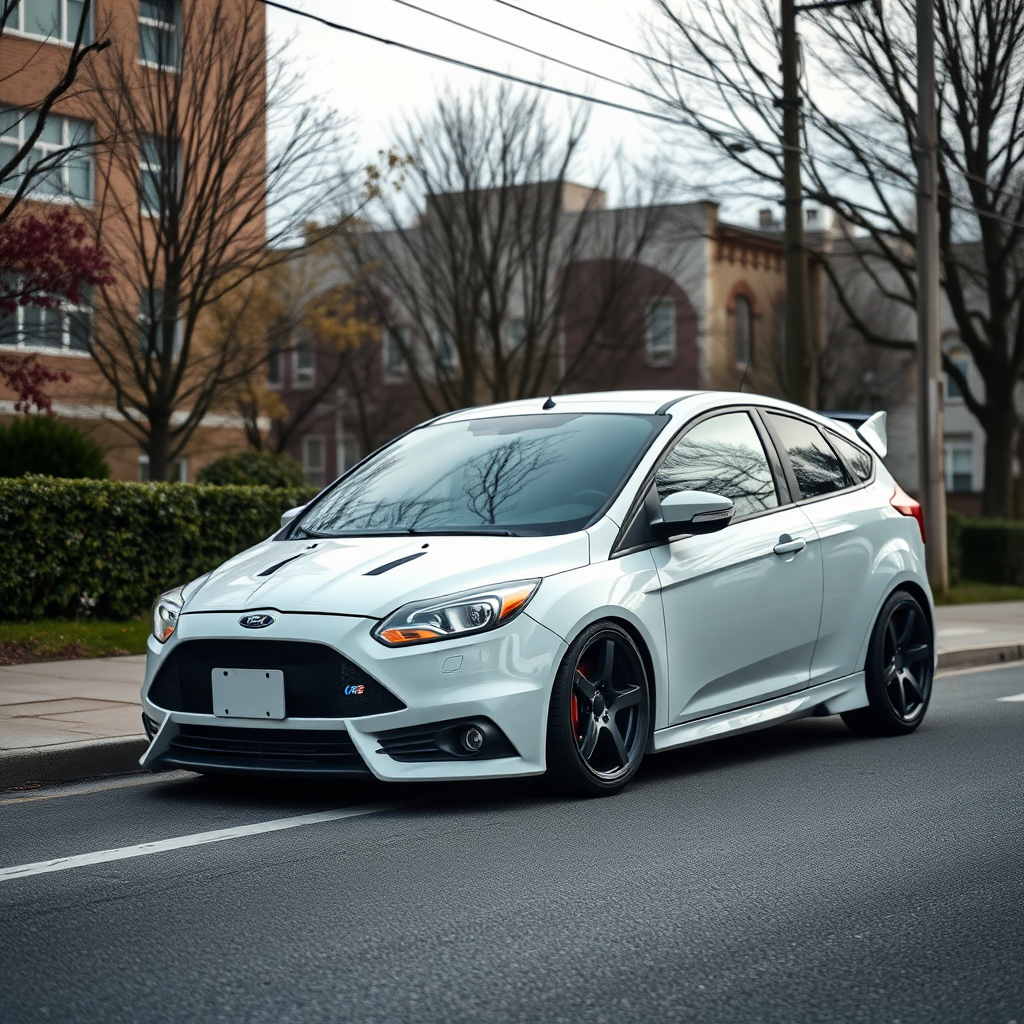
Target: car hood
[355, 576]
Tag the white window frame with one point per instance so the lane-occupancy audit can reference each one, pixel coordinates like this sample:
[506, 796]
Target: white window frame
[395, 375]
[171, 28]
[65, 311]
[156, 169]
[179, 470]
[963, 360]
[143, 320]
[347, 453]
[307, 467]
[65, 39]
[18, 138]
[445, 343]
[663, 355]
[303, 377]
[953, 446]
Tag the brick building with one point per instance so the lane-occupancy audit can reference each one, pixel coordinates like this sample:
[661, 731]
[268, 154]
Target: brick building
[94, 177]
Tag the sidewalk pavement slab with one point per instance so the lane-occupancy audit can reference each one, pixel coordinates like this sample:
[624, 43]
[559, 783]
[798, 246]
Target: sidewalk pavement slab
[66, 720]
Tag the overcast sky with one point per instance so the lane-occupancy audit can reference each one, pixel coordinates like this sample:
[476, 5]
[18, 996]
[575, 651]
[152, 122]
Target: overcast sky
[378, 85]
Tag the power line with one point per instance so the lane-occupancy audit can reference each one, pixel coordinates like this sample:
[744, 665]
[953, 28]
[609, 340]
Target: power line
[689, 72]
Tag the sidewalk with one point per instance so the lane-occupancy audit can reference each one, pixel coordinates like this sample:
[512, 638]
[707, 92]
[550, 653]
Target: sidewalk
[66, 720]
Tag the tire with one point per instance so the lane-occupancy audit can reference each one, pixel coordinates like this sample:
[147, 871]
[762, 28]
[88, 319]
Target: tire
[599, 719]
[899, 670]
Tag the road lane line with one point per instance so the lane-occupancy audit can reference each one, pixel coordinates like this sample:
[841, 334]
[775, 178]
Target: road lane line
[1015, 697]
[197, 839]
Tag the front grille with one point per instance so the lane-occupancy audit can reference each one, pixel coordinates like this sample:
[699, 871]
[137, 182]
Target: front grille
[316, 678]
[301, 750]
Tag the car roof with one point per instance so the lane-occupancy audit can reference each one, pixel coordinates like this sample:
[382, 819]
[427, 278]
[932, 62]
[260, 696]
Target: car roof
[676, 403]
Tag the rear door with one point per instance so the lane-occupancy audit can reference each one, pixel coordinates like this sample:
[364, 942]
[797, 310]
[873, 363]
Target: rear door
[741, 605]
[833, 477]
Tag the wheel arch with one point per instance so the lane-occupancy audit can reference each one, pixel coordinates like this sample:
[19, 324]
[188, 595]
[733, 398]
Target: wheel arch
[645, 654]
[918, 592]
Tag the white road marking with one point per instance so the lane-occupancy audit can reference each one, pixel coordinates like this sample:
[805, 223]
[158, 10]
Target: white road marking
[973, 669]
[1015, 697]
[197, 839]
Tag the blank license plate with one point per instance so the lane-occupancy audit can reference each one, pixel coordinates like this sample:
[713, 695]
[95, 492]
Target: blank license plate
[248, 693]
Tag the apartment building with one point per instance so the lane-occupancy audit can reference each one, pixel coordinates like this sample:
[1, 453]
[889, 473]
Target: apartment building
[112, 174]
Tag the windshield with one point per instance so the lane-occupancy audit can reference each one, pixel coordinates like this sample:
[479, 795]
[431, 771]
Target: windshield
[535, 474]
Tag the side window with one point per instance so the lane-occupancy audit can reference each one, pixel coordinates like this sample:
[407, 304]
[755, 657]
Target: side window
[817, 469]
[723, 455]
[856, 458]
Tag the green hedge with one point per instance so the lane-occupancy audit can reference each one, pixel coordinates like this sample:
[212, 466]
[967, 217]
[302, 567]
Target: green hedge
[121, 543]
[992, 551]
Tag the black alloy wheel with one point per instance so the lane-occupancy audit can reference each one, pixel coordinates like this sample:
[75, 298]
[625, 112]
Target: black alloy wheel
[899, 670]
[599, 720]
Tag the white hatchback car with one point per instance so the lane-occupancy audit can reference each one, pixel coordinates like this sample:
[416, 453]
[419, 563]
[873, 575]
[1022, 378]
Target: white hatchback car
[558, 588]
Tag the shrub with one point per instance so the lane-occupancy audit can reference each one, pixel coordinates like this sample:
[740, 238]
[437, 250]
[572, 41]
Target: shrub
[992, 551]
[255, 469]
[121, 543]
[43, 444]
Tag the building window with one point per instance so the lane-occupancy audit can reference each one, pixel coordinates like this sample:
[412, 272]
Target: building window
[396, 344]
[303, 367]
[158, 33]
[157, 326]
[275, 368]
[56, 20]
[959, 465]
[65, 326]
[446, 355]
[158, 173]
[347, 453]
[60, 161]
[516, 334]
[660, 332]
[313, 460]
[742, 329]
[177, 472]
[962, 361]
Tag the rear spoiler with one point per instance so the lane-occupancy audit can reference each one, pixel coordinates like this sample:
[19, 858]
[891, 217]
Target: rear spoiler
[873, 432]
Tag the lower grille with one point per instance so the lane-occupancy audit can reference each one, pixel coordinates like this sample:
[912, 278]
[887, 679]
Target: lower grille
[439, 741]
[318, 681]
[296, 750]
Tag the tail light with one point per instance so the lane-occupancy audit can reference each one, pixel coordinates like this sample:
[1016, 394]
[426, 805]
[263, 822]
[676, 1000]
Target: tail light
[906, 506]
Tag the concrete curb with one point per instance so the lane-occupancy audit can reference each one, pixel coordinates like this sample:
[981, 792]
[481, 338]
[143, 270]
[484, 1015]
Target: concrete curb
[974, 657]
[71, 762]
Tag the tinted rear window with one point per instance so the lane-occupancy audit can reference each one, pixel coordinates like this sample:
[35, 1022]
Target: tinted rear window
[816, 467]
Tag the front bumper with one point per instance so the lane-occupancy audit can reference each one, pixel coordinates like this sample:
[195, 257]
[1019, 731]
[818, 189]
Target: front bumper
[503, 677]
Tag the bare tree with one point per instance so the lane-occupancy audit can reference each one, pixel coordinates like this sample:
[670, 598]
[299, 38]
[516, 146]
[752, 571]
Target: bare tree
[224, 165]
[21, 167]
[480, 224]
[859, 159]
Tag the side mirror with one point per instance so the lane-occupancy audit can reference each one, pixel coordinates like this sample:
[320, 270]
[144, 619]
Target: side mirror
[288, 516]
[694, 512]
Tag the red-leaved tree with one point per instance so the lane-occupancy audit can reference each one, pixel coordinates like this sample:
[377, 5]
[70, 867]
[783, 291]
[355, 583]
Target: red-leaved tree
[45, 259]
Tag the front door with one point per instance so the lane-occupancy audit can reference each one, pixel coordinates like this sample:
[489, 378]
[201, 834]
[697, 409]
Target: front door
[742, 605]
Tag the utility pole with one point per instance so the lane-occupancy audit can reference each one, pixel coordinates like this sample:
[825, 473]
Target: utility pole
[932, 488]
[800, 354]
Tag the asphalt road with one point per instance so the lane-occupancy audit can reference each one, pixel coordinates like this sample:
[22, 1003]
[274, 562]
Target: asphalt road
[797, 874]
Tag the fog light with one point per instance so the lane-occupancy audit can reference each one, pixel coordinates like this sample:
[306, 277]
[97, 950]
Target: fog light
[473, 739]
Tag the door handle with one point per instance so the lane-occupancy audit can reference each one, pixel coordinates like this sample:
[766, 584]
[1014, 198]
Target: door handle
[789, 545]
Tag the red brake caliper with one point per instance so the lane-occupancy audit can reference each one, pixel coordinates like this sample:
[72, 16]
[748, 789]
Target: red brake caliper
[574, 715]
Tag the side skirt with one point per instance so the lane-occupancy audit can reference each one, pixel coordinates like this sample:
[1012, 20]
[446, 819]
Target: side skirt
[826, 698]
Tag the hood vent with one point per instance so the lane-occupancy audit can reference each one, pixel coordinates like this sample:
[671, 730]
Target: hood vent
[274, 568]
[391, 565]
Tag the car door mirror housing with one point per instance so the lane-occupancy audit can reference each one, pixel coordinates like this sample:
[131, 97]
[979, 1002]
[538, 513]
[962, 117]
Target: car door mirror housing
[288, 516]
[694, 512]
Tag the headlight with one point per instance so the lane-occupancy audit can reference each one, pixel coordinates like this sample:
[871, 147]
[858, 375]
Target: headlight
[472, 611]
[166, 609]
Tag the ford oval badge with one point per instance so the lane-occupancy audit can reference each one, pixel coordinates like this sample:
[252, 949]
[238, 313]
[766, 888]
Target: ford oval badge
[257, 621]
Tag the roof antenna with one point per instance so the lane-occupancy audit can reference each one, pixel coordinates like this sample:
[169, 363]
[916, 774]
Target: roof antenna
[550, 403]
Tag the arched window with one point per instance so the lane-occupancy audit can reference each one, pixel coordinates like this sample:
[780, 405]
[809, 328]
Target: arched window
[742, 328]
